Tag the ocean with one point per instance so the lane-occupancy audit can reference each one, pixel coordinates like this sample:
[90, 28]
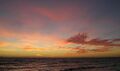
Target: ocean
[60, 64]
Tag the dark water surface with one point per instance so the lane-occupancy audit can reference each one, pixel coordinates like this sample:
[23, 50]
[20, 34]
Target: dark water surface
[59, 64]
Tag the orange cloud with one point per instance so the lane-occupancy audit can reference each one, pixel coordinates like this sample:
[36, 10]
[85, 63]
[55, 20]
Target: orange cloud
[31, 48]
[27, 36]
[4, 44]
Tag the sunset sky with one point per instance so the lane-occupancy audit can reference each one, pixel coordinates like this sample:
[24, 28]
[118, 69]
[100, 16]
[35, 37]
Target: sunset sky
[59, 28]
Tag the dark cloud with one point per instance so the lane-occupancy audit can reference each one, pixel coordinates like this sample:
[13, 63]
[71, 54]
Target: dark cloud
[116, 40]
[81, 39]
[98, 41]
[78, 39]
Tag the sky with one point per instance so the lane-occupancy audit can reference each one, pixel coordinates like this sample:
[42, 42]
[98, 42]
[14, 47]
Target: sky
[59, 28]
